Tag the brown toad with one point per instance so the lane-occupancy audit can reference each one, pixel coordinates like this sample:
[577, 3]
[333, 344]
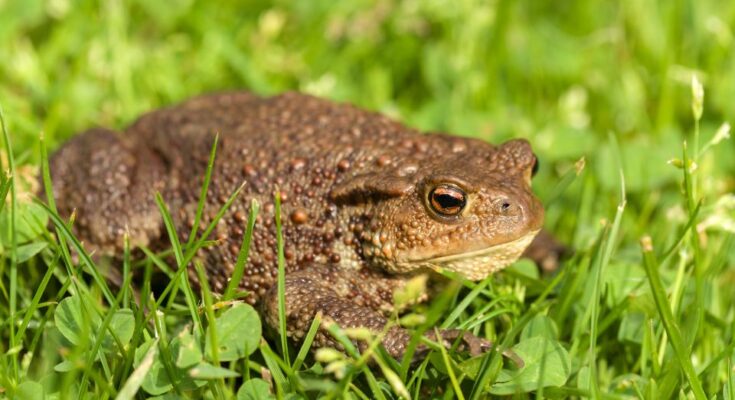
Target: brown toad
[367, 202]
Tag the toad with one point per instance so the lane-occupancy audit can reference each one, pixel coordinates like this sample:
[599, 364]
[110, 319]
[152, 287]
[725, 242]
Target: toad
[367, 203]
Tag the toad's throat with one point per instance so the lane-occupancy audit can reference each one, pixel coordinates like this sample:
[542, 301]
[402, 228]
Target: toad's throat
[478, 264]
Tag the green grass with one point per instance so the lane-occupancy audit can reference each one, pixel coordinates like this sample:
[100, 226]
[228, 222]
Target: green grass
[643, 309]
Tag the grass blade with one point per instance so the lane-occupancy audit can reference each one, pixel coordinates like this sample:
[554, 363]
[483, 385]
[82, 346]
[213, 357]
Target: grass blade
[37, 296]
[180, 260]
[306, 343]
[5, 182]
[132, 385]
[466, 301]
[13, 297]
[667, 318]
[271, 361]
[203, 193]
[62, 228]
[602, 259]
[218, 389]
[564, 182]
[127, 275]
[243, 254]
[450, 370]
[281, 281]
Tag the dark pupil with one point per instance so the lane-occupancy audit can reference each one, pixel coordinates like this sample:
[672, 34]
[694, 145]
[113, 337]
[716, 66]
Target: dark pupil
[448, 200]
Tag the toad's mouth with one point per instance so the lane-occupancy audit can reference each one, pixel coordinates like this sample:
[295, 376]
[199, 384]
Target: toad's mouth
[478, 264]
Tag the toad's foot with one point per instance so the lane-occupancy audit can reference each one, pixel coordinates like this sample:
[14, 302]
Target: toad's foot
[547, 252]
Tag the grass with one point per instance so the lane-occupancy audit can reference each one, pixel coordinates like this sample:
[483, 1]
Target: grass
[603, 90]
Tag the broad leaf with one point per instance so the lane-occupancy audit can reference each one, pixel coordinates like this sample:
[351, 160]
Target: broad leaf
[157, 381]
[238, 333]
[540, 325]
[69, 320]
[189, 352]
[255, 389]
[27, 251]
[547, 363]
[29, 390]
[209, 371]
[123, 324]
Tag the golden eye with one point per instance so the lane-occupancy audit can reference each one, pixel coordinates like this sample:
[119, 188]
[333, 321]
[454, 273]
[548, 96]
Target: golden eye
[447, 200]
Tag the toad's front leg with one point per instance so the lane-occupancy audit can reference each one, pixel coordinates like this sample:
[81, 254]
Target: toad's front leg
[352, 299]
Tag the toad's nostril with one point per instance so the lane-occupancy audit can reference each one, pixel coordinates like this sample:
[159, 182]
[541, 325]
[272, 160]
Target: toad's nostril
[509, 208]
[505, 206]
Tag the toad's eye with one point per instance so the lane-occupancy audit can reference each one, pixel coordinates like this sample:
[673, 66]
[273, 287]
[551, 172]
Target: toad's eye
[447, 200]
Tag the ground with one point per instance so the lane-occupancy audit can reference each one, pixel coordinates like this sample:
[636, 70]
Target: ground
[636, 175]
